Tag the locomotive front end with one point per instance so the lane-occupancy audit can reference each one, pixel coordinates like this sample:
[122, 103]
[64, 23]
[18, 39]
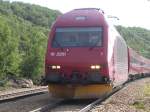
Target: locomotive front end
[76, 59]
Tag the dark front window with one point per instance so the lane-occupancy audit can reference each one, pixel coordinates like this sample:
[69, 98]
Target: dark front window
[78, 37]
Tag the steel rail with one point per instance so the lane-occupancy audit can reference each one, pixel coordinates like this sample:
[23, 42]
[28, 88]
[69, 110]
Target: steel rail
[47, 107]
[98, 101]
[16, 94]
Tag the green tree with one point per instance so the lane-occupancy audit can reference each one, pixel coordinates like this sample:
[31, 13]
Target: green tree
[33, 59]
[9, 55]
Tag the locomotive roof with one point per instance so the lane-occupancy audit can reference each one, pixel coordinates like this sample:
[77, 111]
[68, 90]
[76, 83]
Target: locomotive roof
[82, 17]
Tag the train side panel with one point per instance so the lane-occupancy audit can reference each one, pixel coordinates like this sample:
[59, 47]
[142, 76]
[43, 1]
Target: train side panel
[118, 57]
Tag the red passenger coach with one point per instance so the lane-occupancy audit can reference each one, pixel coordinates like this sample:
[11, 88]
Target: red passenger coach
[86, 57]
[138, 64]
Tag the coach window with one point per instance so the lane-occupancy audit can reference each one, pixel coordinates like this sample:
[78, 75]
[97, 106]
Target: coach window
[135, 61]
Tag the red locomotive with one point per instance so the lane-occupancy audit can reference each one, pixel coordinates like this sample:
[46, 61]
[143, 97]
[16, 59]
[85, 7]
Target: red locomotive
[86, 57]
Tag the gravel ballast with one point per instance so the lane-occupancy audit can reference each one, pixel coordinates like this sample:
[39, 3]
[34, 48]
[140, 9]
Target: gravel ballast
[135, 97]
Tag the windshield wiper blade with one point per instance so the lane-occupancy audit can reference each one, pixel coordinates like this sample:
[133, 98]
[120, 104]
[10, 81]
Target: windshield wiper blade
[58, 44]
[93, 46]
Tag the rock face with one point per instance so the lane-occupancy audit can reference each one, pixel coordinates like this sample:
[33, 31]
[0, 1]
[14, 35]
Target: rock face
[23, 83]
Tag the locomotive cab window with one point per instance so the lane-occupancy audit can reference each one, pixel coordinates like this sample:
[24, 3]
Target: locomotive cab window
[77, 37]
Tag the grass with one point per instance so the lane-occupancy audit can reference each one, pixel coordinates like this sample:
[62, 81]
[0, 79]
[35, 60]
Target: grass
[147, 90]
[139, 105]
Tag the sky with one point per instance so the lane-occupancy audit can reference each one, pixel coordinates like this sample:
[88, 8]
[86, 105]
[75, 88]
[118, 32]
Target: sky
[130, 12]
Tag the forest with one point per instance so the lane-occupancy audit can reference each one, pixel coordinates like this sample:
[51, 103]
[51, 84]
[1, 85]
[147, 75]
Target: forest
[23, 39]
[24, 32]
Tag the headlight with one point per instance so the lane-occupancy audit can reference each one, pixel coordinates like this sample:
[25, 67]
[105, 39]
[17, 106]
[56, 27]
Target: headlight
[58, 67]
[93, 67]
[55, 67]
[97, 67]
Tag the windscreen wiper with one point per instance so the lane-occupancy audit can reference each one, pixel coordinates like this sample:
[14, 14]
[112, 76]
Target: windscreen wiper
[93, 46]
[58, 44]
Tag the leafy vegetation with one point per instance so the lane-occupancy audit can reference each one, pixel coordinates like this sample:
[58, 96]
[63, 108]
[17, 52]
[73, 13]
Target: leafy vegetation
[147, 90]
[139, 105]
[23, 39]
[142, 103]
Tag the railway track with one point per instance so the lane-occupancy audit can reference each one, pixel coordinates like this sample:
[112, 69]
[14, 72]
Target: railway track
[69, 105]
[73, 105]
[21, 93]
[79, 105]
[98, 101]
